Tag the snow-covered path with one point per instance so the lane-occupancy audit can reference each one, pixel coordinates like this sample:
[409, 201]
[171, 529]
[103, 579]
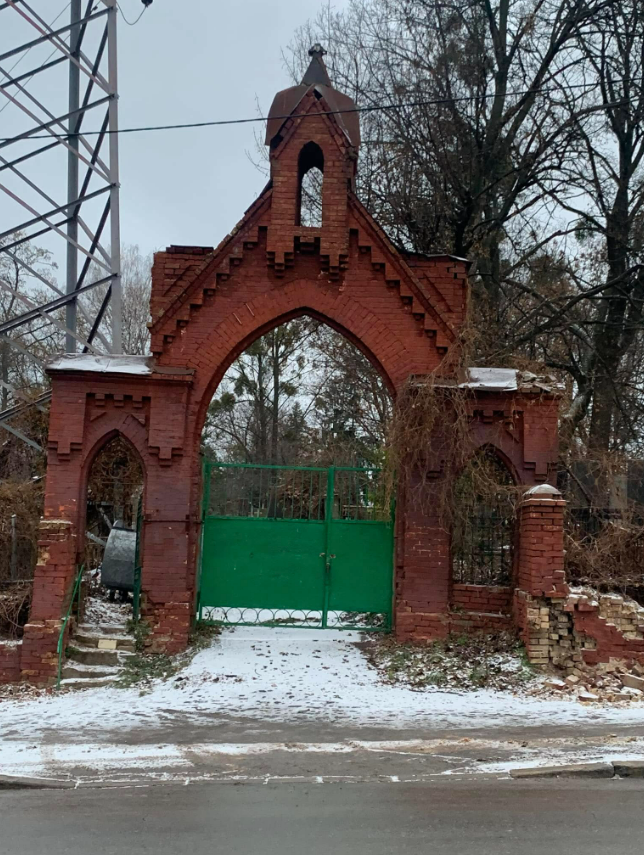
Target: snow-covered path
[288, 675]
[281, 683]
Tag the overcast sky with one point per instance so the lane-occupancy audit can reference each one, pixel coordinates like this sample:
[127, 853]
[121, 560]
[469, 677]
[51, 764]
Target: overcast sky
[186, 60]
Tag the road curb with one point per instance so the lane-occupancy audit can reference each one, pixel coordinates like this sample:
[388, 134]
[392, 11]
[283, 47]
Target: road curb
[629, 768]
[15, 782]
[579, 770]
[616, 768]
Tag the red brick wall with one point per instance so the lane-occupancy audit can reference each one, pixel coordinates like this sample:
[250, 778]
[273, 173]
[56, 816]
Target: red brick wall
[542, 594]
[482, 598]
[610, 642]
[462, 623]
[9, 662]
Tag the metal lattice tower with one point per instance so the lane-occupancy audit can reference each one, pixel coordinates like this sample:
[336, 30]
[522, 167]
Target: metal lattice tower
[59, 180]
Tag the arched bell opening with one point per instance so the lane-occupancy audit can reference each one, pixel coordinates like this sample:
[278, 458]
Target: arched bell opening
[309, 212]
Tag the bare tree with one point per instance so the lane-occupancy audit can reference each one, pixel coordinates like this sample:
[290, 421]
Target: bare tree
[252, 414]
[23, 355]
[459, 162]
[511, 133]
[136, 279]
[301, 394]
[607, 207]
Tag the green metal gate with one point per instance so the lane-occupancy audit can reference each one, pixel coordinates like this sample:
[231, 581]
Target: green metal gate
[295, 546]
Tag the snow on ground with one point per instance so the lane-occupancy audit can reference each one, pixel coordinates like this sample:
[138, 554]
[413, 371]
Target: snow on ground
[285, 675]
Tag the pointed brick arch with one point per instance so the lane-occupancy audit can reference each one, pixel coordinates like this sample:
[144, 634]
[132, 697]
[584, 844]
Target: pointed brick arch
[351, 318]
[98, 441]
[500, 450]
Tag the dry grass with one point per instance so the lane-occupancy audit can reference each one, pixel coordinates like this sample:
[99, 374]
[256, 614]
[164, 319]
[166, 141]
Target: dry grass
[458, 663]
[612, 559]
[25, 500]
[15, 602]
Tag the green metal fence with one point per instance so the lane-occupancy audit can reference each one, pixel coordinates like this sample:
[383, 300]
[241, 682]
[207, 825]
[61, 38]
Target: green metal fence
[75, 600]
[296, 546]
[136, 589]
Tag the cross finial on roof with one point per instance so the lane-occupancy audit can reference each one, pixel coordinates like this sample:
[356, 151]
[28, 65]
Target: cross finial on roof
[316, 73]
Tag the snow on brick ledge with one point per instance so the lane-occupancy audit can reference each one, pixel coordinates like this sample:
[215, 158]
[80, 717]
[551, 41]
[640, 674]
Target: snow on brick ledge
[500, 380]
[509, 380]
[103, 364]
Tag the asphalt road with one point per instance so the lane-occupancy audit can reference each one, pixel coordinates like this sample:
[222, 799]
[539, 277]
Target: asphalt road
[458, 817]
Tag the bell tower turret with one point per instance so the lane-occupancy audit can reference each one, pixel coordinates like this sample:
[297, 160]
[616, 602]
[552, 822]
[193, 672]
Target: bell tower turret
[311, 126]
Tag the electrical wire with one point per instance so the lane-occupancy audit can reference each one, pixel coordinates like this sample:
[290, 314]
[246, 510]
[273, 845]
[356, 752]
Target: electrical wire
[131, 23]
[370, 109]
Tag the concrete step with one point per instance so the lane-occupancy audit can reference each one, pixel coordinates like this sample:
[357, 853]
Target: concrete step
[95, 639]
[77, 671]
[96, 656]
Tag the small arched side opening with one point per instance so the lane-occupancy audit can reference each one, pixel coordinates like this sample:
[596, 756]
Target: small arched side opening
[309, 186]
[298, 526]
[483, 526]
[115, 483]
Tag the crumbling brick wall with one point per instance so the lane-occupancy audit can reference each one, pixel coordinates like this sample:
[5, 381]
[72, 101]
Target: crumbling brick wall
[560, 625]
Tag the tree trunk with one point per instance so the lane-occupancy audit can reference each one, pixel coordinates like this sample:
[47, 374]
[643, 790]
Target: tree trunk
[608, 335]
[261, 411]
[4, 372]
[276, 398]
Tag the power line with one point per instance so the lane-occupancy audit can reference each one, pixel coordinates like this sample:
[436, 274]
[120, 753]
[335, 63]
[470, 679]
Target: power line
[131, 23]
[369, 109]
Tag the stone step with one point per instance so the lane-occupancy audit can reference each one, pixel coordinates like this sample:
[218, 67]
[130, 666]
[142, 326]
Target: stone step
[95, 639]
[96, 656]
[88, 672]
[102, 629]
[87, 682]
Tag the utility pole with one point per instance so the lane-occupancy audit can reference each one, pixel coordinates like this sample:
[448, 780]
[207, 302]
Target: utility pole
[72, 173]
[59, 176]
[115, 222]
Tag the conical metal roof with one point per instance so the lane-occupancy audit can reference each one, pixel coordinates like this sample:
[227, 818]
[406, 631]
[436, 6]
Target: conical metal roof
[316, 78]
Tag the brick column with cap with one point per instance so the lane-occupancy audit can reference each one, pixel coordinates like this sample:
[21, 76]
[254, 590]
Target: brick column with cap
[539, 567]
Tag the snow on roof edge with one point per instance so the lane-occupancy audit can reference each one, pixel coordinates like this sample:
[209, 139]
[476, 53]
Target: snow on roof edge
[103, 364]
[491, 378]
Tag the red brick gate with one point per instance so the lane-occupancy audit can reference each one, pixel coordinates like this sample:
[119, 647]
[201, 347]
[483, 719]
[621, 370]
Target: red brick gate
[402, 310]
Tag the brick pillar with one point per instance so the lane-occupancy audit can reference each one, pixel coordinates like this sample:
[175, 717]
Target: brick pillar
[539, 567]
[169, 559]
[425, 572]
[53, 582]
[168, 570]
